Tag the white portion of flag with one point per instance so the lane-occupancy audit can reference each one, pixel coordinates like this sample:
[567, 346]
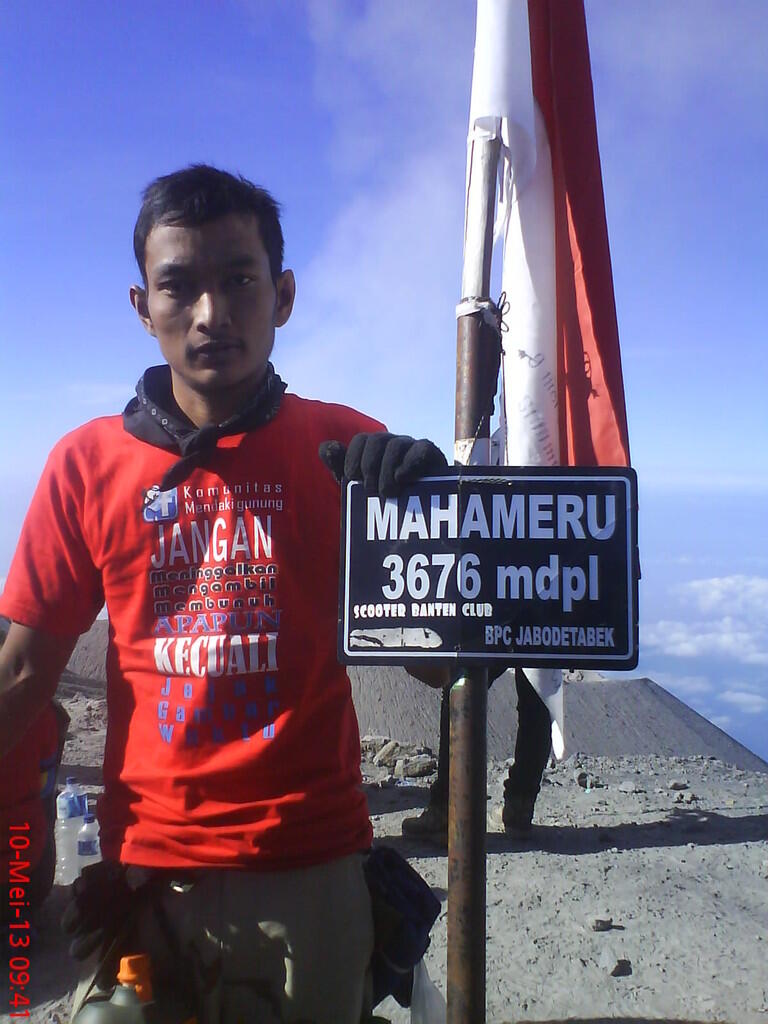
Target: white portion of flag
[502, 95]
[530, 420]
[503, 105]
[548, 683]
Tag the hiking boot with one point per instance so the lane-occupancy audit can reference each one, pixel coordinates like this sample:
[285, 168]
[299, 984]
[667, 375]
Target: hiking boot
[517, 815]
[431, 824]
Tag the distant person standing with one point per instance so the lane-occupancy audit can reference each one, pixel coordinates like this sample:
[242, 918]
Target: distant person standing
[521, 787]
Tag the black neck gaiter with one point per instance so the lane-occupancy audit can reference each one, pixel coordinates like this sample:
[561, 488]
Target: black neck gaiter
[154, 417]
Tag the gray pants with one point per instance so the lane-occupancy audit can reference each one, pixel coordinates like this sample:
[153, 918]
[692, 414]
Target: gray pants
[274, 947]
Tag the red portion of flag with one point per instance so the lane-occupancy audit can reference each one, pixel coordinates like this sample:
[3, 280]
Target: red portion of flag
[593, 419]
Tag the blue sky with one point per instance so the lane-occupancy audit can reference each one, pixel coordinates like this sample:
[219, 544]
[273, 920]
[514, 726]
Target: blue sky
[354, 114]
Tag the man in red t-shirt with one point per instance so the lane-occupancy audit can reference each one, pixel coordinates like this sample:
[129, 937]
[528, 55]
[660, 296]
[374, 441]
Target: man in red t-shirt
[233, 819]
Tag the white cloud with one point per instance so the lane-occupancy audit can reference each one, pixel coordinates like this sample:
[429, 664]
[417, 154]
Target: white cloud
[374, 323]
[727, 617]
[721, 721]
[372, 56]
[684, 686]
[380, 295]
[732, 595]
[723, 620]
[725, 637]
[748, 702]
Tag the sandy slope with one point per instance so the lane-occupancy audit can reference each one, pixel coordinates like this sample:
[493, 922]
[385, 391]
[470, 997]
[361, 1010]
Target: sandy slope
[682, 873]
[611, 717]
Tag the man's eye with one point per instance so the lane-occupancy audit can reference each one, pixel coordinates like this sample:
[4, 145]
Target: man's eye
[240, 280]
[171, 287]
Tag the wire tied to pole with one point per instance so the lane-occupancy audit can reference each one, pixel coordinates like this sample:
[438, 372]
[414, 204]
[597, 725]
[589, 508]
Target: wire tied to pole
[493, 312]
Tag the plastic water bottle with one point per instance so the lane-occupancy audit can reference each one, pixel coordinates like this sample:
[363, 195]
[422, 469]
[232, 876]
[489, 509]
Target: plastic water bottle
[70, 812]
[88, 849]
[75, 795]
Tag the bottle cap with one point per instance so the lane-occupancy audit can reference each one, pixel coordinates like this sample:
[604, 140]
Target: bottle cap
[89, 818]
[71, 779]
[134, 973]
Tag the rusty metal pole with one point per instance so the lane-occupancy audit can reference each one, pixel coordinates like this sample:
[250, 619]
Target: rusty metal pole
[469, 691]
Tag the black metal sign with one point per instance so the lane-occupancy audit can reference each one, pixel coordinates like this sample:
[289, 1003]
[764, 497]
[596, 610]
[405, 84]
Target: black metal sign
[533, 567]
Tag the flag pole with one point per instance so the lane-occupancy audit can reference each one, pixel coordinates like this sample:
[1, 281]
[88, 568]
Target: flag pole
[476, 366]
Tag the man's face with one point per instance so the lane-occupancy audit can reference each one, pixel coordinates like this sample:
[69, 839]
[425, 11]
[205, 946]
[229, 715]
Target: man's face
[212, 305]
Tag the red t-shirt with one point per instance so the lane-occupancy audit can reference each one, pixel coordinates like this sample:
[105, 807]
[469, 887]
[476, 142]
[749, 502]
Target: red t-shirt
[232, 739]
[27, 778]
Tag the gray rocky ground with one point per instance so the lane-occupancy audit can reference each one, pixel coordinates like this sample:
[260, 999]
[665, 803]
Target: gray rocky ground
[668, 855]
[677, 877]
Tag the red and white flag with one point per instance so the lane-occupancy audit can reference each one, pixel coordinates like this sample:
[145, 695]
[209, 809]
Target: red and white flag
[563, 392]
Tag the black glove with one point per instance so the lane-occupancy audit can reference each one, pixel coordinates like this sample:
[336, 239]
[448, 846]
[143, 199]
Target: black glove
[386, 463]
[101, 901]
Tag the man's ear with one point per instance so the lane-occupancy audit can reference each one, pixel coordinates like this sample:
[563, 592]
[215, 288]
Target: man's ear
[285, 287]
[138, 297]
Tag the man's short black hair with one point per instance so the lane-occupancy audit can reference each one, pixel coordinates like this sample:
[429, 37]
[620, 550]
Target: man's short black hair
[201, 193]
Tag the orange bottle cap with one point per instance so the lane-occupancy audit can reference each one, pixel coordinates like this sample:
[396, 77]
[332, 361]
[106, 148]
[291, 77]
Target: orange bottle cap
[135, 973]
